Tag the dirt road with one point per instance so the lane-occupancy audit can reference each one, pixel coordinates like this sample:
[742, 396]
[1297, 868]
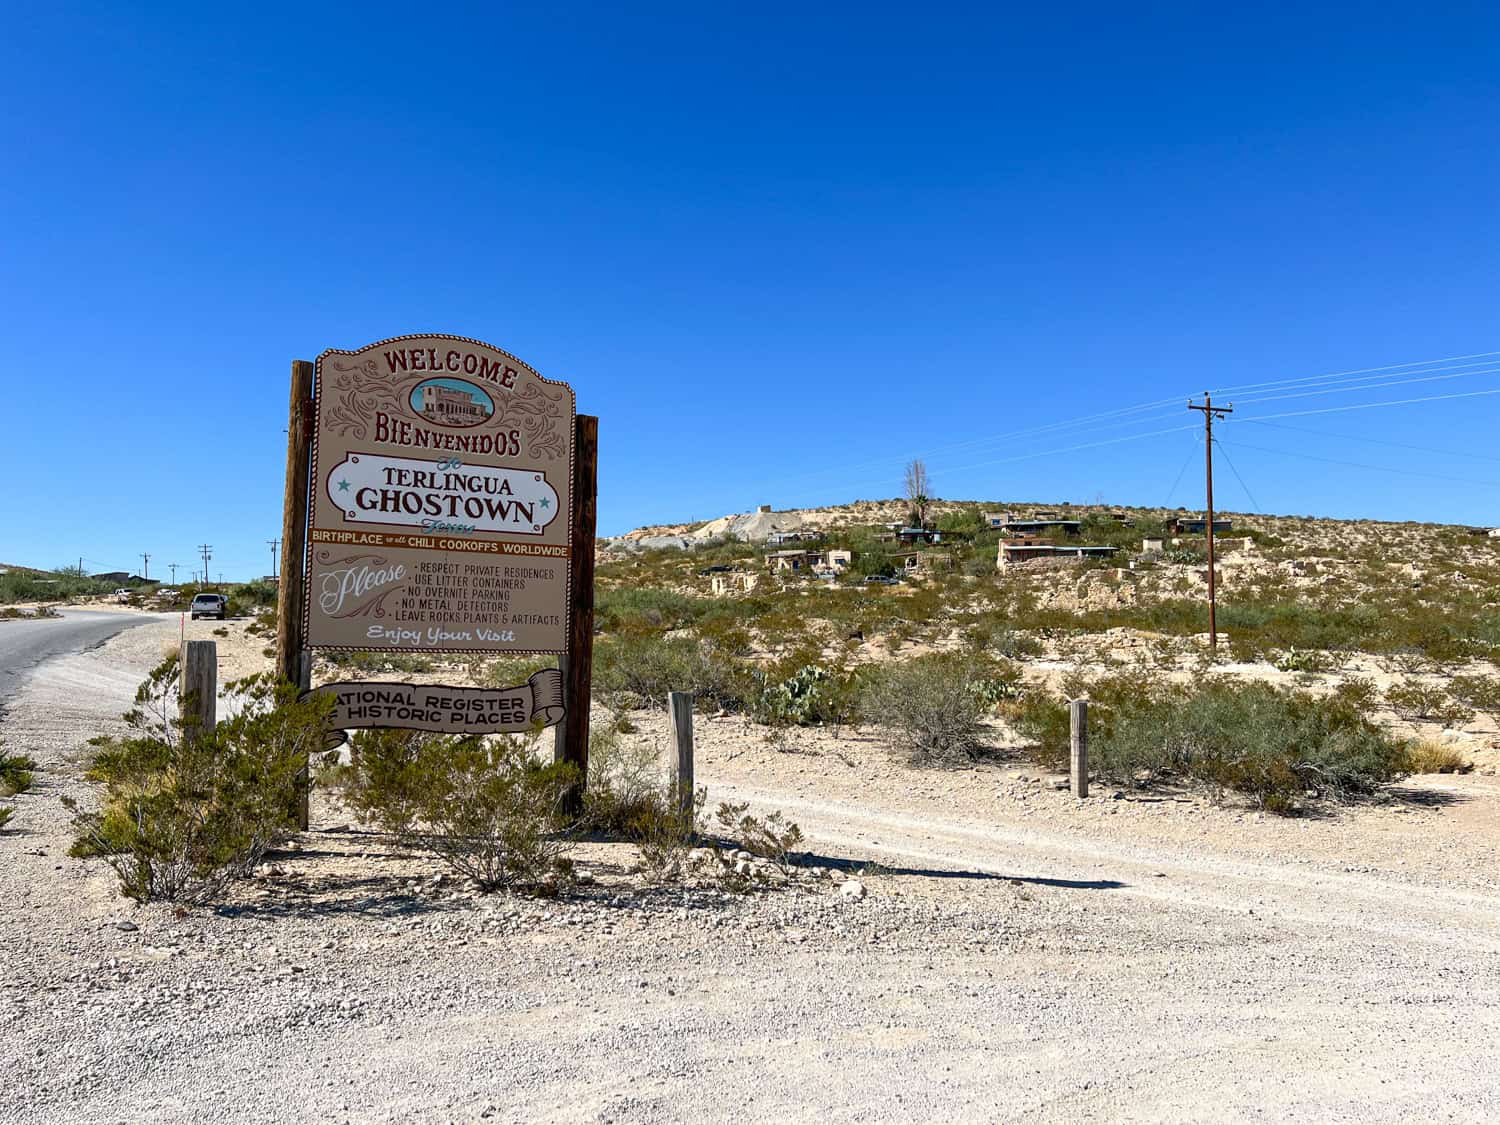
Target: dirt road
[1018, 956]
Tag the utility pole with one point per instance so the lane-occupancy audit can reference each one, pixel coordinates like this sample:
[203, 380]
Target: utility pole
[275, 545]
[80, 566]
[1210, 412]
[173, 567]
[145, 566]
[206, 550]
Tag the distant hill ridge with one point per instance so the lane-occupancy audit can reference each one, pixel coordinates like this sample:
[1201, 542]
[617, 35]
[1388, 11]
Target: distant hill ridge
[758, 526]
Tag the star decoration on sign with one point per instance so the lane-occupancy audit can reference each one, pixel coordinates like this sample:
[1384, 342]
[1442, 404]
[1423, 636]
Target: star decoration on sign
[545, 502]
[343, 486]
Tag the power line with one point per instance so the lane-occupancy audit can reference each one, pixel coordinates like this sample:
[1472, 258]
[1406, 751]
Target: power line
[1145, 413]
[1374, 441]
[1142, 413]
[1370, 405]
[1178, 478]
[1370, 386]
[1483, 357]
[1361, 465]
[1254, 504]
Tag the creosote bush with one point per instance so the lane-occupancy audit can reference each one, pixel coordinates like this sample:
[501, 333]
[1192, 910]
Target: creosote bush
[931, 704]
[1271, 743]
[1418, 702]
[643, 668]
[182, 816]
[483, 806]
[1480, 692]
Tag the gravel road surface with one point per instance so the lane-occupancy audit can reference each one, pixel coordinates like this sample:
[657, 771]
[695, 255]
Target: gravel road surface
[1016, 956]
[24, 644]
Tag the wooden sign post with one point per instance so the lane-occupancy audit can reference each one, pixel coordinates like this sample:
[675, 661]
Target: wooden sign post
[578, 662]
[289, 635]
[440, 498]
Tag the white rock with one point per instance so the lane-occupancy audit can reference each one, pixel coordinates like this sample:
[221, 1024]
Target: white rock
[852, 888]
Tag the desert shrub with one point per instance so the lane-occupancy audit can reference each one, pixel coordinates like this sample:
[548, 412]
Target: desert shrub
[380, 661]
[1417, 702]
[507, 671]
[771, 837]
[624, 781]
[813, 694]
[16, 774]
[648, 667]
[632, 609]
[1270, 743]
[663, 836]
[254, 594]
[996, 682]
[1303, 660]
[264, 623]
[929, 704]
[1358, 692]
[180, 817]
[1480, 692]
[482, 806]
[58, 585]
[1432, 755]
[6, 812]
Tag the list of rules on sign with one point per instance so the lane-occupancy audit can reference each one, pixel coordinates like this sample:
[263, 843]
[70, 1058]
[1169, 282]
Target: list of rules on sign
[442, 479]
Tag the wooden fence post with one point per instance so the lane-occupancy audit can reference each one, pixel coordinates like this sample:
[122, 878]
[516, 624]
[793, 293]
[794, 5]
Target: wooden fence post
[198, 689]
[1078, 744]
[680, 703]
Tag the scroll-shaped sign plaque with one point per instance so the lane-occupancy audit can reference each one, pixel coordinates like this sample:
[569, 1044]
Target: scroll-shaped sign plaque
[448, 710]
[442, 481]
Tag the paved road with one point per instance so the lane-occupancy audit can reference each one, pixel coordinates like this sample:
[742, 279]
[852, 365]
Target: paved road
[26, 644]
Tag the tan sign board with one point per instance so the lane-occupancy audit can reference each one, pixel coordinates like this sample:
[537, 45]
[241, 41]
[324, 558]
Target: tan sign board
[450, 710]
[442, 479]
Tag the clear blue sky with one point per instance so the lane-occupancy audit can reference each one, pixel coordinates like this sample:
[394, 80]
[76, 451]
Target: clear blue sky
[778, 249]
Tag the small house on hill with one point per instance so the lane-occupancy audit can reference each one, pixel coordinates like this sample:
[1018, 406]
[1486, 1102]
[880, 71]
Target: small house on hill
[933, 562]
[1014, 552]
[1040, 526]
[1199, 526]
[734, 583]
[787, 560]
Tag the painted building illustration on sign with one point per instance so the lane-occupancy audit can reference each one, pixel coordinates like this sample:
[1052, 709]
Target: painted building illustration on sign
[452, 402]
[441, 512]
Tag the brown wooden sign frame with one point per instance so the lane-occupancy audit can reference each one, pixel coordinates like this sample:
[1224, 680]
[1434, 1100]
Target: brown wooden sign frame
[293, 657]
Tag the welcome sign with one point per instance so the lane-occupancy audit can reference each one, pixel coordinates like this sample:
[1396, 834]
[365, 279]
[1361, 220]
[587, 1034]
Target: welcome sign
[442, 475]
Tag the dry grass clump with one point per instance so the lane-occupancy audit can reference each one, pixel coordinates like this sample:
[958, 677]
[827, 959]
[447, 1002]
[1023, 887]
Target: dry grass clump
[1433, 755]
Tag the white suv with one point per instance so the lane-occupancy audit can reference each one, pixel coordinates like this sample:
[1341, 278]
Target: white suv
[209, 605]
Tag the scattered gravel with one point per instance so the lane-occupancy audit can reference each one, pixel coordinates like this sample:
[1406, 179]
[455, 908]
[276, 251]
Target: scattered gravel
[959, 945]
